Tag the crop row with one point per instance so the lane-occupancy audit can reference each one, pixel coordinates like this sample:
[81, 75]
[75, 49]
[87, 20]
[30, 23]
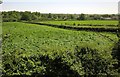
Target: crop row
[87, 28]
[86, 23]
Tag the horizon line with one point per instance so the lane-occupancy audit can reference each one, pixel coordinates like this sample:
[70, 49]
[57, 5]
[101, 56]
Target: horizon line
[56, 13]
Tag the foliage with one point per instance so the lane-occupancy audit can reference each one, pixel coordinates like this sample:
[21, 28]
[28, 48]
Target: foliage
[26, 16]
[35, 16]
[36, 50]
[116, 49]
[81, 17]
[94, 63]
[32, 36]
[84, 61]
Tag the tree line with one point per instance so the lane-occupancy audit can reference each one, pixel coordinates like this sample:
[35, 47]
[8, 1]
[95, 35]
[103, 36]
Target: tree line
[37, 16]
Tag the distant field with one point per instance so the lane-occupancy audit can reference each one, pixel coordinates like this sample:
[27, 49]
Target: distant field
[89, 22]
[87, 25]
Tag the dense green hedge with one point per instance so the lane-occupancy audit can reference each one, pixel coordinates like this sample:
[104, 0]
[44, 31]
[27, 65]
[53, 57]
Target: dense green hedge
[83, 61]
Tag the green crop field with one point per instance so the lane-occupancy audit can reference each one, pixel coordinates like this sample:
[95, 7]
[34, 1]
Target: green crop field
[36, 37]
[25, 45]
[91, 22]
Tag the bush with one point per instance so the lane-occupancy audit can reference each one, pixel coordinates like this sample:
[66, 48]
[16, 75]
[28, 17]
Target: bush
[93, 63]
[19, 64]
[83, 61]
[116, 55]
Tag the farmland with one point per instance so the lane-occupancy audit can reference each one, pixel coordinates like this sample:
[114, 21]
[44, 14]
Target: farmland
[88, 25]
[57, 38]
[38, 49]
[49, 37]
[111, 23]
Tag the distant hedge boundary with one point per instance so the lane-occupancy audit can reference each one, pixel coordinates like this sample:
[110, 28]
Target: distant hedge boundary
[79, 28]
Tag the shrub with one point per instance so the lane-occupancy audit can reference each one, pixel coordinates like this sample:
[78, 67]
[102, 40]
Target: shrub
[93, 63]
[83, 61]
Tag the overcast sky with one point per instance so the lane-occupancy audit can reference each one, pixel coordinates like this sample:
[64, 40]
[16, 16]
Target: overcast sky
[63, 6]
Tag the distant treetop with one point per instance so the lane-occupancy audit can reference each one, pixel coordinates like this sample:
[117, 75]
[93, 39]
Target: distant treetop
[1, 1]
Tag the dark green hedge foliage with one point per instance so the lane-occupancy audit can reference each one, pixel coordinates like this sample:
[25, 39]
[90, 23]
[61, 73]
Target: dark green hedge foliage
[83, 62]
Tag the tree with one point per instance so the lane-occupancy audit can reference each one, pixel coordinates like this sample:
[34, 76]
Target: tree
[70, 17]
[96, 17]
[49, 15]
[81, 17]
[26, 16]
[34, 17]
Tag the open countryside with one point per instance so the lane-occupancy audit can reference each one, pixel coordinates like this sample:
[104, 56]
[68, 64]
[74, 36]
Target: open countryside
[39, 44]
